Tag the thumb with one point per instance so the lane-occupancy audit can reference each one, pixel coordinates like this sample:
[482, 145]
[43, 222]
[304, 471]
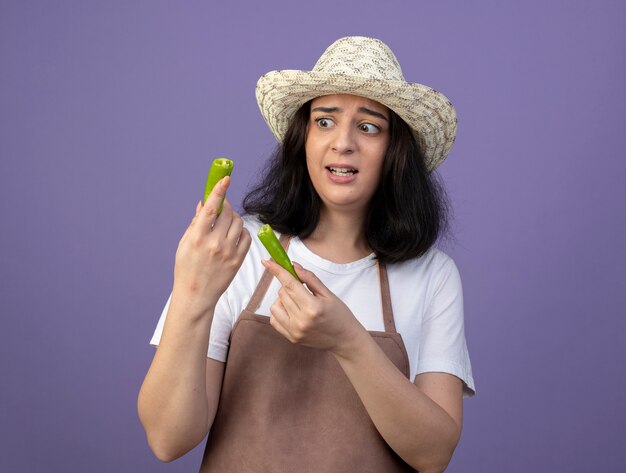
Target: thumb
[312, 282]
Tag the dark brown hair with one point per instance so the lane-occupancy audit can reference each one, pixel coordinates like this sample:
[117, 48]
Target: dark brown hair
[406, 216]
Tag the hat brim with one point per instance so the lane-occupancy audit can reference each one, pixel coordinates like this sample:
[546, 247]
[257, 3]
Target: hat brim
[429, 113]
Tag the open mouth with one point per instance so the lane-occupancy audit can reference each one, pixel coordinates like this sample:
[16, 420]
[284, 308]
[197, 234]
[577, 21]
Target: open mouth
[342, 171]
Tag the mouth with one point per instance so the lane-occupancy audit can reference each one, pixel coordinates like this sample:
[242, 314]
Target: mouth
[337, 171]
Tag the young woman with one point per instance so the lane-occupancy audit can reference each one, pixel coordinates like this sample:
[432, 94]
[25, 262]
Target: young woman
[363, 365]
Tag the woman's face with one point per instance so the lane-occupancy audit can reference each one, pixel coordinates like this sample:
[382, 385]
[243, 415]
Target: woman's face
[346, 141]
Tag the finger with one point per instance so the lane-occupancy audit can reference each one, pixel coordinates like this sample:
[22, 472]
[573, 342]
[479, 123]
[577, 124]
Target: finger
[311, 280]
[235, 229]
[291, 306]
[193, 221]
[195, 217]
[208, 215]
[223, 223]
[280, 320]
[285, 278]
[243, 245]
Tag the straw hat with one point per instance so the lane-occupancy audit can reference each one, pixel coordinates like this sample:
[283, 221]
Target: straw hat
[366, 67]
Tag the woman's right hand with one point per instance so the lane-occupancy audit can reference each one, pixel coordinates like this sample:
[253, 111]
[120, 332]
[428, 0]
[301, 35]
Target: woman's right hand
[209, 254]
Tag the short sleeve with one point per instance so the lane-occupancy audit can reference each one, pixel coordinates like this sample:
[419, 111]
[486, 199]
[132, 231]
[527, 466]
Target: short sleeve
[158, 331]
[220, 328]
[223, 321]
[443, 347]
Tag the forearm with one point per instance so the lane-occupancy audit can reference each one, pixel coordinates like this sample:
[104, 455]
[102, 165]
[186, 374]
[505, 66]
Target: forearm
[420, 431]
[172, 402]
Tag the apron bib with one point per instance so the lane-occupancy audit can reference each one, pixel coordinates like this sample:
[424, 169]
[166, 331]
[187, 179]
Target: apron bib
[289, 408]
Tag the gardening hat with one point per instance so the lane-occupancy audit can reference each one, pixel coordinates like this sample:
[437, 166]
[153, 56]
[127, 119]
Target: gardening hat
[365, 67]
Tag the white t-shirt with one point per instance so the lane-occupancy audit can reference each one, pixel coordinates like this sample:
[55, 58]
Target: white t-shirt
[426, 297]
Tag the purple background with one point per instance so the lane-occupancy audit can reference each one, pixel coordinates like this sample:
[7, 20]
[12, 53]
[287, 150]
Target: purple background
[110, 113]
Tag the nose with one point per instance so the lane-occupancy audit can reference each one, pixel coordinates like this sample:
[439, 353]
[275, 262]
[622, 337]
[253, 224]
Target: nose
[343, 142]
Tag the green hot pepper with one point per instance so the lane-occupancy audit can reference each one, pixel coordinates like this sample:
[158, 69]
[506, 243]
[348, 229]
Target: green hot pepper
[275, 249]
[220, 168]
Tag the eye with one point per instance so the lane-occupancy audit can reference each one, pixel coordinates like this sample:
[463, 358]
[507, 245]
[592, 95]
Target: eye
[369, 128]
[324, 122]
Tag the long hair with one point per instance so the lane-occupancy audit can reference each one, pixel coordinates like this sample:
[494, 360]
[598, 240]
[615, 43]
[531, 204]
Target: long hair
[406, 215]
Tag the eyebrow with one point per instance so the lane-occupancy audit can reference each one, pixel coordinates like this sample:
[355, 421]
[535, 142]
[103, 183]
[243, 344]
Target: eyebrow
[339, 110]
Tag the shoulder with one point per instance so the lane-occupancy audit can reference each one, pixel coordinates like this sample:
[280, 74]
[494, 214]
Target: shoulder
[432, 264]
[429, 276]
[252, 223]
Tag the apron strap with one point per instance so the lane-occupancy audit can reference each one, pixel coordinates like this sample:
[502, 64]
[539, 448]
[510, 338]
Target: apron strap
[385, 298]
[266, 279]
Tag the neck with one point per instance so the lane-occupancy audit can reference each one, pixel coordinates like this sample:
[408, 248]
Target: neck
[339, 237]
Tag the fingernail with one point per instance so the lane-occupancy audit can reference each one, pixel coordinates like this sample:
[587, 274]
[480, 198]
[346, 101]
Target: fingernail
[225, 181]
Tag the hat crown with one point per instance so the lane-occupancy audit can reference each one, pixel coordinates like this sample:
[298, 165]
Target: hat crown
[362, 57]
[365, 67]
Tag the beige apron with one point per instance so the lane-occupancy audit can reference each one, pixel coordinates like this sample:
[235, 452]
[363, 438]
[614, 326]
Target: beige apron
[289, 408]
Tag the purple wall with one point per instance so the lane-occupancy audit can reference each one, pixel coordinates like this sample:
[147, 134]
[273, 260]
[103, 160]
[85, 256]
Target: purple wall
[110, 113]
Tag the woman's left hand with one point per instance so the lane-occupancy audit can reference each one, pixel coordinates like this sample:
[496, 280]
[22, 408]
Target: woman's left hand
[311, 316]
[422, 422]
